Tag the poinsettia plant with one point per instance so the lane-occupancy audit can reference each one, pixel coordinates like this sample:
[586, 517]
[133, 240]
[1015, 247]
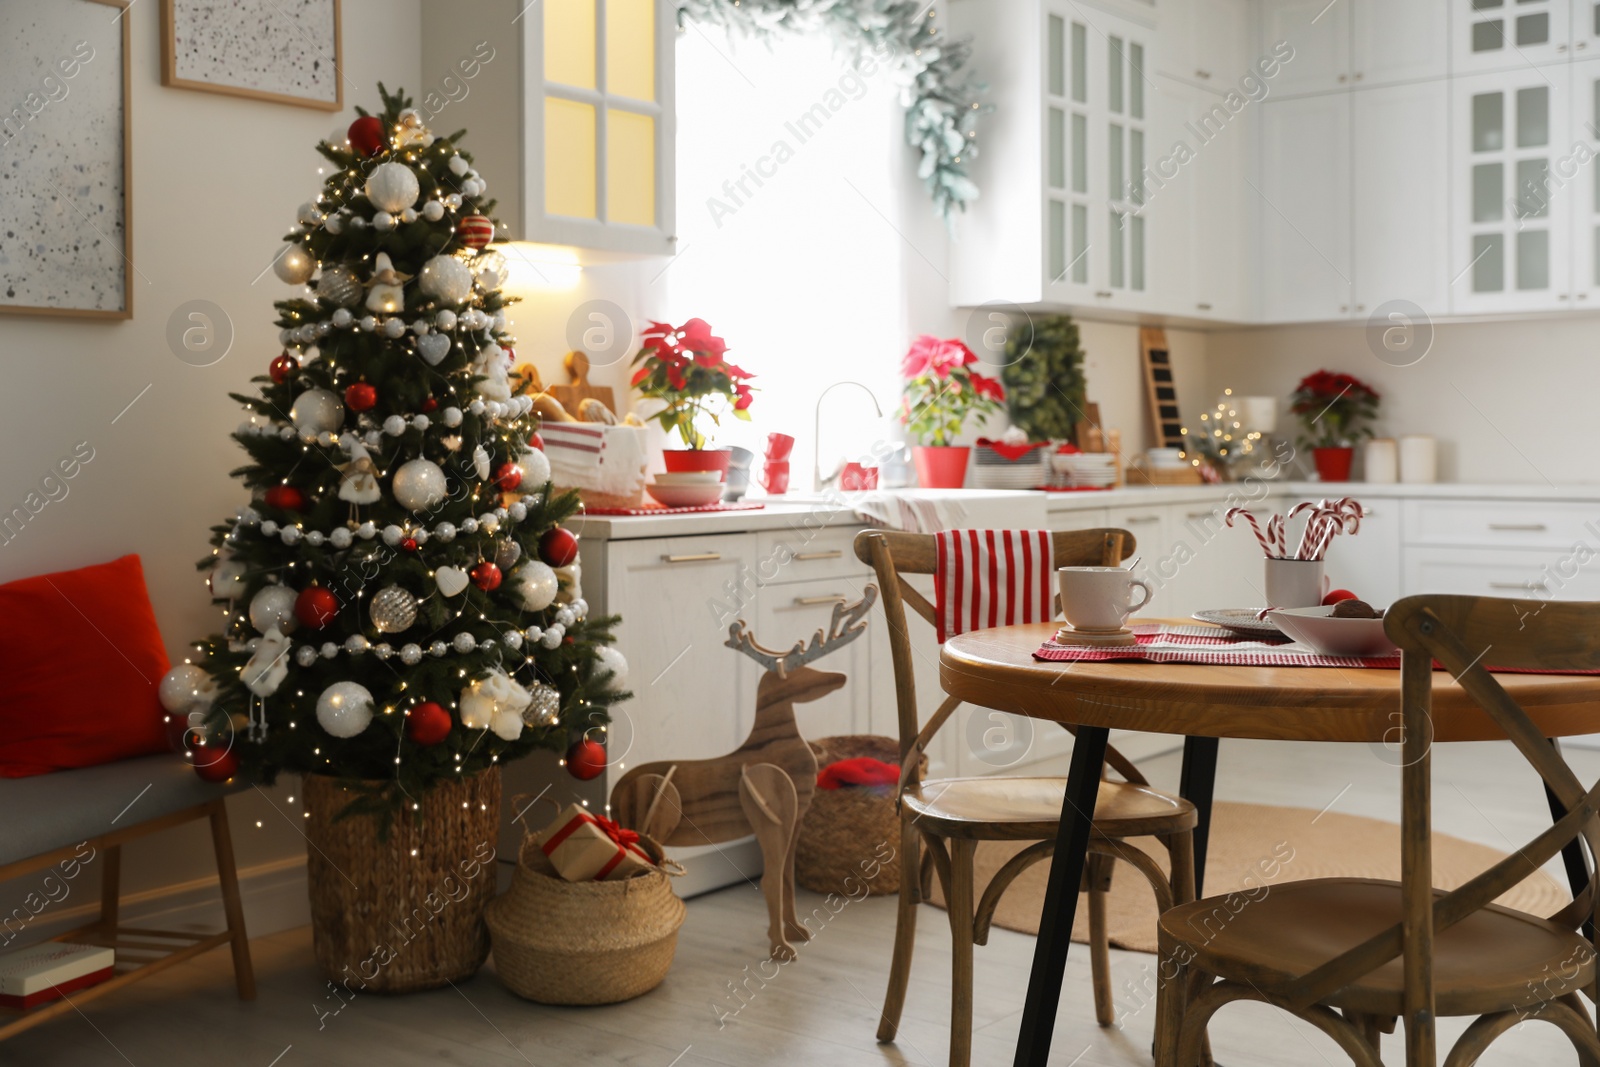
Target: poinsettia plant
[1336, 409]
[942, 389]
[684, 366]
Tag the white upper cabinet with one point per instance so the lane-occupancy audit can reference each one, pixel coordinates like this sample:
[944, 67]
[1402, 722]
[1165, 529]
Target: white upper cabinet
[1510, 34]
[1204, 42]
[1305, 209]
[1400, 163]
[581, 95]
[1585, 28]
[1581, 180]
[1398, 41]
[1319, 33]
[1511, 234]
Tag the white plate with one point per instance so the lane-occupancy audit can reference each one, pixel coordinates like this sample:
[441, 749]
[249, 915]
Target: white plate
[1241, 621]
[690, 478]
[684, 496]
[1317, 629]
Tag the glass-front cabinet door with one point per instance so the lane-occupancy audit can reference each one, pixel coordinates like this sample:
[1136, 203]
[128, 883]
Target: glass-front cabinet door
[1067, 158]
[1512, 34]
[1127, 80]
[1513, 207]
[1582, 178]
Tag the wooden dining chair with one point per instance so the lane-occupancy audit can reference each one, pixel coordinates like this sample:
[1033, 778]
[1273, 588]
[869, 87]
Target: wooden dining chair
[1352, 955]
[943, 819]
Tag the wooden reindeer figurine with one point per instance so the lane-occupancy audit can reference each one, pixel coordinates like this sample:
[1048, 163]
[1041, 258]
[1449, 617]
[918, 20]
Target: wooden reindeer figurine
[763, 786]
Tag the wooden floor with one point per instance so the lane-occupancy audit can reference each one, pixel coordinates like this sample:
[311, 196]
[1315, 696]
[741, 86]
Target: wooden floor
[821, 1009]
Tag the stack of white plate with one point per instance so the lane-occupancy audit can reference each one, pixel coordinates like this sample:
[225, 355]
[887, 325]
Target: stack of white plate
[1087, 469]
[1165, 459]
[991, 470]
[691, 489]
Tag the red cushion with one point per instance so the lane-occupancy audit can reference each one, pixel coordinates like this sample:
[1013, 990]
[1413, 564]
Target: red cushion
[80, 663]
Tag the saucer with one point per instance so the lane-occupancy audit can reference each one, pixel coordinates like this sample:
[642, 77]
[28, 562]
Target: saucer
[1121, 637]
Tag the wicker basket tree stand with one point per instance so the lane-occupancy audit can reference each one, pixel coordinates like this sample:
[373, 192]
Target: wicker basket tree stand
[406, 913]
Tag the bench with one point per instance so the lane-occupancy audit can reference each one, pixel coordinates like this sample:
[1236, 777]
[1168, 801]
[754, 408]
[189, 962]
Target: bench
[49, 818]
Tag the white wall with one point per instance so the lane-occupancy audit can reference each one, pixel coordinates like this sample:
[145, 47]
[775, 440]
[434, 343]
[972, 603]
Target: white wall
[216, 181]
[1508, 401]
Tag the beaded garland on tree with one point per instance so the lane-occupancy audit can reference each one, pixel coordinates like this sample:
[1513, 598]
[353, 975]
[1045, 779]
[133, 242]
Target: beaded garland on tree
[368, 592]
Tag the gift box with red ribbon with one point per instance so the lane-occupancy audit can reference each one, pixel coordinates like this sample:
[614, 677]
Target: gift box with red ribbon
[585, 847]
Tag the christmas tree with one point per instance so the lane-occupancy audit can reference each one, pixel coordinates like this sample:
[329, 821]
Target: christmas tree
[401, 600]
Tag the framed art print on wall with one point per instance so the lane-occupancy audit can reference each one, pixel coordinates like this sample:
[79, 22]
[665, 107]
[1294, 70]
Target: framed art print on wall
[66, 196]
[286, 51]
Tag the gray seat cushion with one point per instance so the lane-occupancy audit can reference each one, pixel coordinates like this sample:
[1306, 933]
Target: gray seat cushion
[51, 811]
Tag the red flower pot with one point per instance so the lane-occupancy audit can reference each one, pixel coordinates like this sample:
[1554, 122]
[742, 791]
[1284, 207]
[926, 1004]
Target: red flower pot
[1333, 464]
[941, 466]
[685, 460]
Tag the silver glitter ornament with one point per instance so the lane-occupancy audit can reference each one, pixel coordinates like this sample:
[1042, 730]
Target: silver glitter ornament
[393, 610]
[507, 555]
[545, 706]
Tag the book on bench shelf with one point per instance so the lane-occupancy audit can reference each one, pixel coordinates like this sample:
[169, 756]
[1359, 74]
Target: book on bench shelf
[39, 974]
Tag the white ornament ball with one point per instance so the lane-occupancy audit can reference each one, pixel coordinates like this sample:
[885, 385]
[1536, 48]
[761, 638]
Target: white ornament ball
[433, 211]
[392, 187]
[367, 324]
[536, 585]
[273, 606]
[305, 655]
[419, 485]
[334, 225]
[446, 320]
[408, 216]
[393, 328]
[295, 266]
[464, 642]
[411, 655]
[340, 537]
[446, 279]
[394, 425]
[343, 318]
[317, 411]
[535, 468]
[383, 222]
[608, 659]
[344, 709]
[392, 535]
[329, 650]
[452, 417]
[445, 531]
[184, 686]
[309, 214]
[458, 166]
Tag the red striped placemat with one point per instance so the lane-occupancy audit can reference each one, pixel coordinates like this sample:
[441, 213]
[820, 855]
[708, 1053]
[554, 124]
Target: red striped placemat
[1158, 643]
[657, 509]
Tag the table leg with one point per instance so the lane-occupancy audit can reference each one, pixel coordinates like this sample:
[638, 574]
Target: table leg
[1572, 857]
[1195, 782]
[1061, 896]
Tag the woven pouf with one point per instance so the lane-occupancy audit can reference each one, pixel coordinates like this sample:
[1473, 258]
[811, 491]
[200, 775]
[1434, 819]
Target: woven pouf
[404, 913]
[850, 837]
[560, 942]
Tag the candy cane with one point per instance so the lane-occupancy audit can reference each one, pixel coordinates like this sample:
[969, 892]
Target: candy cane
[1266, 547]
[1275, 534]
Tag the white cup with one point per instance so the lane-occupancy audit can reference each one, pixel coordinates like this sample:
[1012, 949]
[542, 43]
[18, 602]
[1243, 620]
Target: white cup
[1295, 583]
[1099, 598]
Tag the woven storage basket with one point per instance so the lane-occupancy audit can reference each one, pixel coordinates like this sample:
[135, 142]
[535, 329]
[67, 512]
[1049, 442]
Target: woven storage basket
[560, 942]
[841, 837]
[404, 914]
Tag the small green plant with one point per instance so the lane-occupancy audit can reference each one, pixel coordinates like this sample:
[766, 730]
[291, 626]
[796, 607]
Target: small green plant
[1044, 379]
[1336, 410]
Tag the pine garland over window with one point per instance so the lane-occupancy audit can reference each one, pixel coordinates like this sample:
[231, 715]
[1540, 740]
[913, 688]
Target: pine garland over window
[939, 93]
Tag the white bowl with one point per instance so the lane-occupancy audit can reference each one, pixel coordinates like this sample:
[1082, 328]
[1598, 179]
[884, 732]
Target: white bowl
[685, 496]
[689, 478]
[1317, 629]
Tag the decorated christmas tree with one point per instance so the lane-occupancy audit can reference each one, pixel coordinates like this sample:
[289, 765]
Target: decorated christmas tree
[401, 601]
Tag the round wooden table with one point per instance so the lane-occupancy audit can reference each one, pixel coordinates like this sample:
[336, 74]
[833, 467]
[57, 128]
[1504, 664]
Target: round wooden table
[996, 669]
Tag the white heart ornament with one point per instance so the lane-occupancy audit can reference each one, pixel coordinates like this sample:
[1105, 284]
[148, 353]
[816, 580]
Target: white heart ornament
[433, 348]
[452, 580]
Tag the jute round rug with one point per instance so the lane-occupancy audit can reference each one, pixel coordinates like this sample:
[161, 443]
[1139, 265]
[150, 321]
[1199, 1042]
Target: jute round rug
[1252, 846]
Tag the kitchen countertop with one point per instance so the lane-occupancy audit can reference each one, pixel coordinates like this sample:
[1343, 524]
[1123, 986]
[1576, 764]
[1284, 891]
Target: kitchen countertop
[796, 511]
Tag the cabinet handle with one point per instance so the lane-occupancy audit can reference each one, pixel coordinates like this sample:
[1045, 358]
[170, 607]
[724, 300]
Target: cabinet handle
[1203, 307]
[1359, 75]
[1562, 296]
[1583, 296]
[1532, 527]
[1203, 75]
[1210, 515]
[1361, 307]
[1132, 519]
[1344, 307]
[1561, 48]
[1104, 294]
[1519, 586]
[697, 557]
[807, 601]
[1343, 78]
[837, 553]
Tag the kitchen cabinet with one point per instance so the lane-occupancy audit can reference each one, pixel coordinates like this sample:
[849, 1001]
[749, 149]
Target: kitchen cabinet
[1510, 237]
[581, 95]
[1319, 32]
[1368, 564]
[1580, 181]
[1395, 41]
[793, 611]
[1489, 35]
[1400, 162]
[1204, 42]
[1305, 208]
[1524, 575]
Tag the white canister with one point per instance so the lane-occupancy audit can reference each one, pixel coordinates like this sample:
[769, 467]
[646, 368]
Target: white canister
[1259, 413]
[1419, 459]
[1382, 461]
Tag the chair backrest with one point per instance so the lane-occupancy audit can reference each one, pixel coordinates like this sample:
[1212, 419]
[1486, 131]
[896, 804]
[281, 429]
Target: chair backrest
[1469, 635]
[893, 554]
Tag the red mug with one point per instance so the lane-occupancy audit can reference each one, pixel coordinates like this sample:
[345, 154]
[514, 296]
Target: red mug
[779, 445]
[856, 477]
[775, 477]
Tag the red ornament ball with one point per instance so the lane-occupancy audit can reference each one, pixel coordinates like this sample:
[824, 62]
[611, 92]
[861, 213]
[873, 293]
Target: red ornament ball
[475, 231]
[485, 576]
[360, 397]
[586, 759]
[409, 544]
[1336, 595]
[428, 724]
[214, 764]
[508, 477]
[535, 441]
[282, 367]
[286, 497]
[367, 135]
[430, 405]
[558, 547]
[315, 607]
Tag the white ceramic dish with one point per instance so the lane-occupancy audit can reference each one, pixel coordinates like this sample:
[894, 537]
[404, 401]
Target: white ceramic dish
[685, 496]
[1317, 629]
[690, 478]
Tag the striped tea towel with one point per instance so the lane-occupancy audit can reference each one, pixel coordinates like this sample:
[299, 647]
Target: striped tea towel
[586, 455]
[986, 578]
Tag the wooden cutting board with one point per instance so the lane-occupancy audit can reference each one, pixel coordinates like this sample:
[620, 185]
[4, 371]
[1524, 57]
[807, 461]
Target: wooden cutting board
[579, 389]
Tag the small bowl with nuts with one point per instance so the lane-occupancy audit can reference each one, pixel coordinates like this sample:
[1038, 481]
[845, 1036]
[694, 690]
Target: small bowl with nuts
[1348, 628]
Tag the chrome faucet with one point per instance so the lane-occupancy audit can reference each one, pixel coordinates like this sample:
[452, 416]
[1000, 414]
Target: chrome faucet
[818, 482]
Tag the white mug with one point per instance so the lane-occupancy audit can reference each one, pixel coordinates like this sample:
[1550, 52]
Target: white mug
[1295, 583]
[1099, 598]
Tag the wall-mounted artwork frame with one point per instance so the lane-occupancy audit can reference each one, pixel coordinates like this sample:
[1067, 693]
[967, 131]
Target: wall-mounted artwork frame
[66, 219]
[284, 51]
